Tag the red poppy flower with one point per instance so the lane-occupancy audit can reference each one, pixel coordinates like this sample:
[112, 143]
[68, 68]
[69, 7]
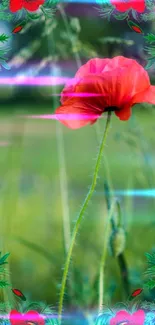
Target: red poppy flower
[31, 317]
[122, 6]
[124, 318]
[30, 5]
[103, 85]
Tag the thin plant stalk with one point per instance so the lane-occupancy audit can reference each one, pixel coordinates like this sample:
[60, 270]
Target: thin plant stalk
[67, 26]
[61, 153]
[62, 172]
[104, 255]
[121, 258]
[62, 167]
[78, 222]
[63, 186]
[106, 163]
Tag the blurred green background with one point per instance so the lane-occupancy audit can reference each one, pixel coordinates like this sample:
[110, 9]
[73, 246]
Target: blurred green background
[46, 168]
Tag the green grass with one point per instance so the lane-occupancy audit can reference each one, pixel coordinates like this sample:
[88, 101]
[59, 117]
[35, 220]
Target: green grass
[37, 216]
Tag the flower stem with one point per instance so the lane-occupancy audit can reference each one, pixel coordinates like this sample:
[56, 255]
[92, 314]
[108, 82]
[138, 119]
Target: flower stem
[63, 186]
[62, 163]
[67, 26]
[104, 255]
[84, 206]
[124, 274]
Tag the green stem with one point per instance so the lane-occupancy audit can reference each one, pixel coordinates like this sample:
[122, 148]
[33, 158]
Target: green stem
[62, 168]
[63, 186]
[124, 274]
[104, 255]
[63, 174]
[62, 171]
[84, 206]
[106, 162]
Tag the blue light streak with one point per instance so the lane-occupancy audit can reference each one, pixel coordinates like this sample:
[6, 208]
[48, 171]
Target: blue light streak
[135, 192]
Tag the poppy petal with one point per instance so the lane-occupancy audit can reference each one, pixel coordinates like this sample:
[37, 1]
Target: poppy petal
[16, 5]
[101, 84]
[124, 113]
[76, 114]
[122, 71]
[33, 5]
[125, 70]
[68, 89]
[30, 5]
[147, 96]
[95, 65]
[115, 88]
[121, 6]
[92, 90]
[117, 62]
